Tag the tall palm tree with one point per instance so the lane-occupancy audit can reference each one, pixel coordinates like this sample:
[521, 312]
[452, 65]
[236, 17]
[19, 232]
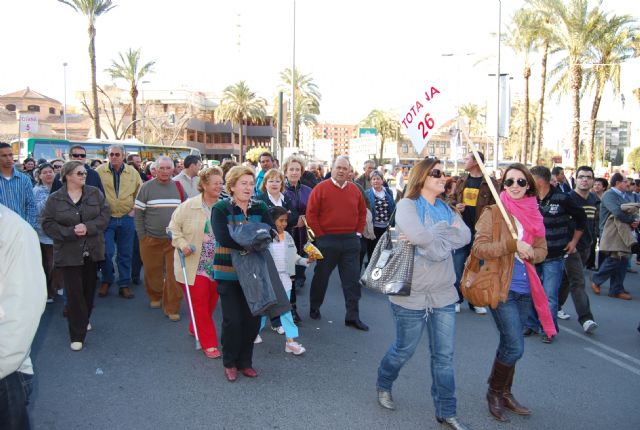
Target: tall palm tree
[385, 124]
[471, 112]
[574, 32]
[612, 46]
[307, 100]
[92, 9]
[240, 104]
[130, 69]
[523, 35]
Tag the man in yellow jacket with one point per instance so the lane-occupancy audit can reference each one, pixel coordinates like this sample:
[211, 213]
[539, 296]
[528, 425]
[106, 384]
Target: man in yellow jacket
[121, 183]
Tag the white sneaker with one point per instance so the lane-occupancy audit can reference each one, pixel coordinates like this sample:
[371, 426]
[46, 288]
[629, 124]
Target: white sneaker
[479, 310]
[457, 308]
[76, 346]
[258, 339]
[89, 328]
[278, 330]
[563, 315]
[589, 326]
[294, 347]
[60, 292]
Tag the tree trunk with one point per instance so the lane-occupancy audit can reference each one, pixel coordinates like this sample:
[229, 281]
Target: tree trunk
[241, 156]
[576, 84]
[590, 148]
[94, 84]
[134, 108]
[543, 76]
[382, 139]
[525, 122]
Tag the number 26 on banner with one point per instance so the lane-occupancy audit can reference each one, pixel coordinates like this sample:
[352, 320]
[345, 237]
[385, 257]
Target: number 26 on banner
[423, 123]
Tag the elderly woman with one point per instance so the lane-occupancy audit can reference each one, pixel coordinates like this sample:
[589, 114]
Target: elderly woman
[239, 326]
[435, 230]
[382, 206]
[298, 193]
[44, 180]
[75, 217]
[193, 234]
[519, 282]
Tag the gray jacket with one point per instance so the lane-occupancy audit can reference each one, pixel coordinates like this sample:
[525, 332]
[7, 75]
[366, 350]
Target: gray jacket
[610, 205]
[433, 273]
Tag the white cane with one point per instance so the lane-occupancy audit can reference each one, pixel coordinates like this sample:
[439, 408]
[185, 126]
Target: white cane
[187, 288]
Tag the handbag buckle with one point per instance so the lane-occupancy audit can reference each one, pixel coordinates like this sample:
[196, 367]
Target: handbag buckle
[376, 273]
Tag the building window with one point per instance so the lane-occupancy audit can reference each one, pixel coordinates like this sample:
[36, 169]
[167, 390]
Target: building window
[443, 149]
[432, 150]
[52, 111]
[33, 108]
[10, 107]
[405, 148]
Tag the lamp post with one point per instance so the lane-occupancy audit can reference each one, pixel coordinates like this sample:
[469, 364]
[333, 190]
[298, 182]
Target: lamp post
[497, 142]
[293, 78]
[64, 112]
[144, 109]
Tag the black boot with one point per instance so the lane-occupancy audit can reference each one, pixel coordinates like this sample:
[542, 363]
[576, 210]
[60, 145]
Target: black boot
[294, 314]
[510, 402]
[495, 393]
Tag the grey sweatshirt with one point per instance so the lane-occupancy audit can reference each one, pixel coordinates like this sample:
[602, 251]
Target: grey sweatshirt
[432, 284]
[154, 206]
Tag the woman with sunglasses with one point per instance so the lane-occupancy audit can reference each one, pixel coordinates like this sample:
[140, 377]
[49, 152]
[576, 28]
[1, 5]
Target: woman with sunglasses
[75, 217]
[435, 229]
[519, 282]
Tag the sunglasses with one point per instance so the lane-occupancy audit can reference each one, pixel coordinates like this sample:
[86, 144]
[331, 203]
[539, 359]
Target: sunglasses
[521, 182]
[57, 166]
[114, 154]
[436, 173]
[79, 155]
[81, 173]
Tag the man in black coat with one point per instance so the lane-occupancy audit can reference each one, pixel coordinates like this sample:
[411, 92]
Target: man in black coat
[78, 153]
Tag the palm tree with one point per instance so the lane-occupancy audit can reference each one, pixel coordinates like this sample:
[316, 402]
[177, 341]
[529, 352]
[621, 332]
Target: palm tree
[92, 9]
[129, 68]
[523, 35]
[307, 100]
[238, 105]
[385, 124]
[613, 45]
[574, 31]
[472, 113]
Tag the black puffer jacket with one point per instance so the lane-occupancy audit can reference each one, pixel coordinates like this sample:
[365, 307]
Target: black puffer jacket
[61, 215]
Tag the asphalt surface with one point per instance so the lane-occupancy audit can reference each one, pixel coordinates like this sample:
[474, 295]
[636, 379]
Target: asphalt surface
[140, 371]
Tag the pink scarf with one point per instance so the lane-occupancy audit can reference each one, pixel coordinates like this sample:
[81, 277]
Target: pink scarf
[526, 211]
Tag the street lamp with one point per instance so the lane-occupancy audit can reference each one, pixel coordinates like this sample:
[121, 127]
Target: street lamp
[497, 142]
[64, 112]
[144, 109]
[293, 78]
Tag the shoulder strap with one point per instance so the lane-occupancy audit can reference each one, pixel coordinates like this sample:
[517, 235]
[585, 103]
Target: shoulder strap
[180, 191]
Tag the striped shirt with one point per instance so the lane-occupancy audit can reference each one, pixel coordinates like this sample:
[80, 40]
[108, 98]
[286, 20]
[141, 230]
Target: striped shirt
[154, 206]
[16, 193]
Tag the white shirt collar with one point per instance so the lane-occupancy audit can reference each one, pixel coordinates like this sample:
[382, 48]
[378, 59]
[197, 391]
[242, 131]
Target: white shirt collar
[338, 185]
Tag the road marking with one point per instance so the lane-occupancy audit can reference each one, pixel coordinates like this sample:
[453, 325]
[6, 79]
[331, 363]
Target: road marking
[602, 345]
[614, 360]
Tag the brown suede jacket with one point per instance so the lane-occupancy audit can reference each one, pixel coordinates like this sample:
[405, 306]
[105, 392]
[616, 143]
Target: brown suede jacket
[486, 247]
[484, 195]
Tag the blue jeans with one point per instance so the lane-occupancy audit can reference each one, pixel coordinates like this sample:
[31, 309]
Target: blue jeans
[460, 256]
[550, 273]
[510, 318]
[441, 326]
[286, 319]
[15, 389]
[120, 233]
[614, 269]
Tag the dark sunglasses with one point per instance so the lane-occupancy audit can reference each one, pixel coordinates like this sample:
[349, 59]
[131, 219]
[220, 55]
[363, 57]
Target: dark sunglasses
[114, 154]
[81, 173]
[79, 155]
[57, 166]
[436, 173]
[521, 182]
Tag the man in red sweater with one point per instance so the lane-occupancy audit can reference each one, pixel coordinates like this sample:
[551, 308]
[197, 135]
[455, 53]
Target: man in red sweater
[336, 212]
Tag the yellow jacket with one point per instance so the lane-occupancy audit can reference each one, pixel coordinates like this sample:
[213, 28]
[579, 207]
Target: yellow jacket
[187, 228]
[130, 183]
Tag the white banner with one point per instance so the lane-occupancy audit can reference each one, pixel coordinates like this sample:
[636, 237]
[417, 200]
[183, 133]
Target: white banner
[432, 107]
[28, 123]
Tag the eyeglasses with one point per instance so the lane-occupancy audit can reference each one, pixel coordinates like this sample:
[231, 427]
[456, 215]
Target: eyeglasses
[81, 173]
[521, 182]
[436, 173]
[114, 154]
[57, 166]
[79, 155]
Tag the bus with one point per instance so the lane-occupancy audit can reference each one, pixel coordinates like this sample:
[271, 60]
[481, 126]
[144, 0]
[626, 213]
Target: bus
[51, 149]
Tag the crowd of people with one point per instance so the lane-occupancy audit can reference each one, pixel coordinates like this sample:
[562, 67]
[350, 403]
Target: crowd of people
[232, 235]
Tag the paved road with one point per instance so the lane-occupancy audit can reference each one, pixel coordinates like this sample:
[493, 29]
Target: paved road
[140, 371]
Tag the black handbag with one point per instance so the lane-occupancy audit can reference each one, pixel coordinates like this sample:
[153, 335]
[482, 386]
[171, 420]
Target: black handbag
[391, 266]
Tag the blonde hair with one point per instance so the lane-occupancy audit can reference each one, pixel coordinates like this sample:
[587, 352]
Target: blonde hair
[293, 159]
[204, 176]
[271, 173]
[234, 174]
[418, 176]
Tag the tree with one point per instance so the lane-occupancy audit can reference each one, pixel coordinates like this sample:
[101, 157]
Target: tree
[307, 100]
[523, 34]
[612, 45]
[634, 159]
[238, 105]
[130, 69]
[92, 9]
[253, 154]
[574, 31]
[114, 112]
[472, 113]
[385, 124]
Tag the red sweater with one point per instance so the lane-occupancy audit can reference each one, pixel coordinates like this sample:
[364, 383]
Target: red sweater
[333, 210]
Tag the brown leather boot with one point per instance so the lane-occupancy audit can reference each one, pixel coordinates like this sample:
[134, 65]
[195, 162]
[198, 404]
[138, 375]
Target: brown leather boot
[510, 402]
[495, 393]
[103, 290]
